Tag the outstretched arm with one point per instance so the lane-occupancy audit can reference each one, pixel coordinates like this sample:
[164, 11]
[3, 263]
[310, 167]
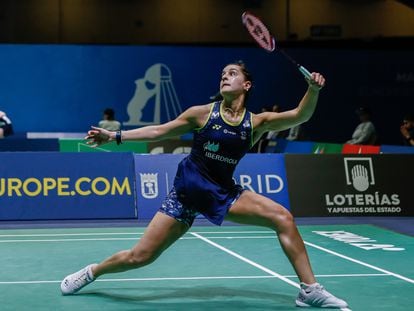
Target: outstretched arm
[184, 123]
[302, 113]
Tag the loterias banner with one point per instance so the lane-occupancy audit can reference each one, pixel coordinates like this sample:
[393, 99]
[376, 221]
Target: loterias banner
[354, 185]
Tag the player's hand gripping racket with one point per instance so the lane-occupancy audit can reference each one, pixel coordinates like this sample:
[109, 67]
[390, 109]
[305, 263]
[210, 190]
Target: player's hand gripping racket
[264, 38]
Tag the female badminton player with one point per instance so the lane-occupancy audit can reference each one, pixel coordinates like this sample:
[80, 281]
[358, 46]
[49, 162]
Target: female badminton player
[223, 133]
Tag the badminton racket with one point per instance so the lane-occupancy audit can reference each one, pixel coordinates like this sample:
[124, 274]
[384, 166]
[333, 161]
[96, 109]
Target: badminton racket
[261, 34]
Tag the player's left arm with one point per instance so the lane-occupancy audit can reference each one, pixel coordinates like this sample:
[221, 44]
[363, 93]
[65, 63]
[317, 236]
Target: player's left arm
[267, 121]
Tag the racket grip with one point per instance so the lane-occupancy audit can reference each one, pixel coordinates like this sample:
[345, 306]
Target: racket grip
[305, 72]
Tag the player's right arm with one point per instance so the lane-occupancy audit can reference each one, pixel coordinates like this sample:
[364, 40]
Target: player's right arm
[190, 119]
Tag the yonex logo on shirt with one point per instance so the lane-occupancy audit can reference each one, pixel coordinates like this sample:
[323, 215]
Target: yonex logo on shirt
[216, 127]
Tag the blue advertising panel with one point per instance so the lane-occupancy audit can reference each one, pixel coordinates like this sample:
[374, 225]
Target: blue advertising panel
[53, 185]
[299, 147]
[396, 149]
[154, 178]
[262, 173]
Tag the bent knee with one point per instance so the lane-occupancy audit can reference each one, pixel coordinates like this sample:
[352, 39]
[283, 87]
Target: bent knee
[281, 217]
[286, 216]
[139, 258]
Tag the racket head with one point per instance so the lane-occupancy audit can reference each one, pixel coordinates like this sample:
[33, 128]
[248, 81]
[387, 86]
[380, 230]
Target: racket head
[259, 31]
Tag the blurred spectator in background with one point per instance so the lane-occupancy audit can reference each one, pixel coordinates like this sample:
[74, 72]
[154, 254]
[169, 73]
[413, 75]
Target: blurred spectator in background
[407, 130]
[274, 134]
[264, 141]
[364, 133]
[295, 133]
[258, 147]
[109, 123]
[6, 127]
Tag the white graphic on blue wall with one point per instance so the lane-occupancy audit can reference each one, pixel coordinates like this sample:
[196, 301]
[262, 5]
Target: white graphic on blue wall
[149, 185]
[155, 100]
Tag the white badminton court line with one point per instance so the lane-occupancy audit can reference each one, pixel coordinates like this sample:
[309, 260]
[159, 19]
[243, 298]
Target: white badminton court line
[67, 234]
[271, 272]
[399, 276]
[123, 239]
[194, 278]
[250, 262]
[263, 268]
[67, 240]
[186, 238]
[122, 233]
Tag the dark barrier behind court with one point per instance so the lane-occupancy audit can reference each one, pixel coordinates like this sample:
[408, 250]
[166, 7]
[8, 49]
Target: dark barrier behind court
[23, 144]
[354, 185]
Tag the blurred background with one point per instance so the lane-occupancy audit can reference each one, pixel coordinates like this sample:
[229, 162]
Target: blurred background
[65, 61]
[200, 21]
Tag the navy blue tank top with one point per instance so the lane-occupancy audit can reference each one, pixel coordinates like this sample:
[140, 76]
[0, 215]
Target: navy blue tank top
[204, 179]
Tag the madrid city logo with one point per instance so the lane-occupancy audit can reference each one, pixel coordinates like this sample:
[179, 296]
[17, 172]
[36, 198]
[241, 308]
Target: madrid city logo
[364, 197]
[155, 100]
[149, 185]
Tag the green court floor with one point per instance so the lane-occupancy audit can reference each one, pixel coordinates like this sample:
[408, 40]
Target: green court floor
[210, 268]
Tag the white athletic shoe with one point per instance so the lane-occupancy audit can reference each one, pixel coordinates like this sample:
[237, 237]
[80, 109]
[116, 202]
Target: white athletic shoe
[74, 282]
[316, 296]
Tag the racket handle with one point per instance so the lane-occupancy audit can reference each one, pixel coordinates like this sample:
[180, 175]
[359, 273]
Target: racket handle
[305, 72]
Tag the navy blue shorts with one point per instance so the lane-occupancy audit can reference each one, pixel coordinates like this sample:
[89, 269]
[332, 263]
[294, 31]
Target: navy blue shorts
[174, 208]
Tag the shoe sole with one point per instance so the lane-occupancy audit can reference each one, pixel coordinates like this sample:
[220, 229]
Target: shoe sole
[302, 304]
[305, 305]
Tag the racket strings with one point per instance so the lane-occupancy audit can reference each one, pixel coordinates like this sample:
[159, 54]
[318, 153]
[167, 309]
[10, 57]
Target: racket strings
[259, 32]
[263, 37]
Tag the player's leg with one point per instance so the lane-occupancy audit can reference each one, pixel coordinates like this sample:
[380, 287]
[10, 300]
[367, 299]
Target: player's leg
[162, 231]
[254, 209]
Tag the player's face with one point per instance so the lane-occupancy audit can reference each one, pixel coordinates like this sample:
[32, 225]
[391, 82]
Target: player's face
[233, 81]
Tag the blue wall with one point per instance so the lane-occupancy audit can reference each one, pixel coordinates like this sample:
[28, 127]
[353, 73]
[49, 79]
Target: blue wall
[65, 88]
